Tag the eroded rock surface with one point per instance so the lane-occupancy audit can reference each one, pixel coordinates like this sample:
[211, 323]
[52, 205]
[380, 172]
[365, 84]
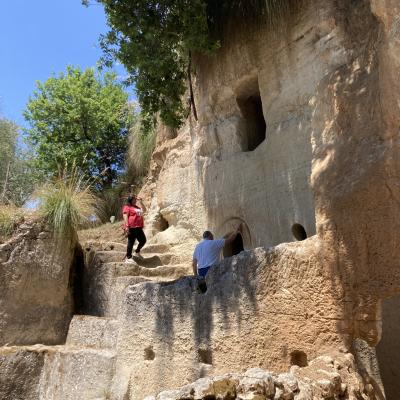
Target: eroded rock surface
[298, 135]
[325, 378]
[35, 287]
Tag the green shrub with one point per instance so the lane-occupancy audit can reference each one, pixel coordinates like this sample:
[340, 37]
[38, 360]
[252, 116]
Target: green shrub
[67, 203]
[10, 217]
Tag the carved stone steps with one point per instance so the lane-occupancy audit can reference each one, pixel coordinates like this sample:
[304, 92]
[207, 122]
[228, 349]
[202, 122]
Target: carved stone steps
[103, 290]
[149, 261]
[92, 332]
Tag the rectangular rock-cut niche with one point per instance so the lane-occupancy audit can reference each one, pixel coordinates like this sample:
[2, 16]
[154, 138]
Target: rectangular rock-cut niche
[251, 109]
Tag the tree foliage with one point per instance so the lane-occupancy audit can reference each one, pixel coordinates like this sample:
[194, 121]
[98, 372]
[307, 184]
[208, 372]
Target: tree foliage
[80, 118]
[154, 39]
[17, 178]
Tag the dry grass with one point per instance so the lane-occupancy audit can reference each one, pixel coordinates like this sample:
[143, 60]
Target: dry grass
[105, 233]
[10, 218]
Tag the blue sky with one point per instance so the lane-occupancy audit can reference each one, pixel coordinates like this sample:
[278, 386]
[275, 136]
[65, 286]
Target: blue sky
[39, 38]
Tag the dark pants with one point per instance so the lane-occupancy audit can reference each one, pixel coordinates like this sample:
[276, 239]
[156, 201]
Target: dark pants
[135, 233]
[203, 271]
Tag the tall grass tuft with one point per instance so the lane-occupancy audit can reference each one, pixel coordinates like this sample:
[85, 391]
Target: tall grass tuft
[67, 203]
[141, 146]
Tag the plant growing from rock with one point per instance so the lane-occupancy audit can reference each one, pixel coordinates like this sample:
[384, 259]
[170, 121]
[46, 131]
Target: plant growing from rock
[67, 202]
[141, 144]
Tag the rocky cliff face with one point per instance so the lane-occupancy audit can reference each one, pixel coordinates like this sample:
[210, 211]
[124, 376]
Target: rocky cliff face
[325, 377]
[35, 287]
[298, 136]
[322, 154]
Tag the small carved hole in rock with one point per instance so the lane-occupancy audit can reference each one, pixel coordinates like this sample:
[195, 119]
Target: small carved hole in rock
[202, 286]
[235, 247]
[205, 356]
[252, 112]
[112, 247]
[162, 223]
[298, 358]
[149, 354]
[299, 232]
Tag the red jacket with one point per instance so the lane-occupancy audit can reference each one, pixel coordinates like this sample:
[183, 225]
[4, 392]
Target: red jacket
[135, 216]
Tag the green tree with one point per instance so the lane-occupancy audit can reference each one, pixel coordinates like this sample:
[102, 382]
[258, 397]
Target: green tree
[8, 143]
[155, 40]
[80, 118]
[17, 178]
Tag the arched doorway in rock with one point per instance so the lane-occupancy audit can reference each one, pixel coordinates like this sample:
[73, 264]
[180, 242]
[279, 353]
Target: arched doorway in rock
[242, 241]
[235, 247]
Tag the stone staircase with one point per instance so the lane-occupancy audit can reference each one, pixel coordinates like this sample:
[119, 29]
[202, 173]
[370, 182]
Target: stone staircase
[84, 367]
[106, 276]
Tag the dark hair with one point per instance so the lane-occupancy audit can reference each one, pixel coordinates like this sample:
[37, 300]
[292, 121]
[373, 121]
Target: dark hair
[207, 234]
[129, 200]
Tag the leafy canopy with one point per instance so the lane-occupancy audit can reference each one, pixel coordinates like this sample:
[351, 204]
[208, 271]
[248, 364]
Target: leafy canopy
[80, 118]
[152, 39]
[155, 38]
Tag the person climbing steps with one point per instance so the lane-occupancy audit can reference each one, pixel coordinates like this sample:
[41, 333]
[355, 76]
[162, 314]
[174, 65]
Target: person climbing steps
[208, 251]
[133, 226]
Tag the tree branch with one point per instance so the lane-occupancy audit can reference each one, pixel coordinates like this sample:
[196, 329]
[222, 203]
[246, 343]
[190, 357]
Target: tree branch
[192, 103]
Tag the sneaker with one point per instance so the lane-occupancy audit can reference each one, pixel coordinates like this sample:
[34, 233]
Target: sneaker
[129, 260]
[138, 255]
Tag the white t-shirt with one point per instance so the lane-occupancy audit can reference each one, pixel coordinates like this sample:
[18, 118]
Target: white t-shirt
[207, 252]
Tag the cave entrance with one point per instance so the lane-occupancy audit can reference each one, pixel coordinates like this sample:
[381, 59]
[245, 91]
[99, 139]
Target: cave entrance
[235, 247]
[255, 125]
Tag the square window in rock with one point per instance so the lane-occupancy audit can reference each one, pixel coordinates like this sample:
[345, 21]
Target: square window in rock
[254, 123]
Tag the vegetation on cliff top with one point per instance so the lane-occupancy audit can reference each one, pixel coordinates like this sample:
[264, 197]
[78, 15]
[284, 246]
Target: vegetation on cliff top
[83, 118]
[67, 202]
[154, 39]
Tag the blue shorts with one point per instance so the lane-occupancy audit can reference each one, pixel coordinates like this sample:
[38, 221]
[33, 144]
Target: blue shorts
[203, 271]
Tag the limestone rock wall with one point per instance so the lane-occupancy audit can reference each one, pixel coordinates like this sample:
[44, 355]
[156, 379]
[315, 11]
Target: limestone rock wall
[323, 89]
[328, 82]
[263, 308]
[35, 287]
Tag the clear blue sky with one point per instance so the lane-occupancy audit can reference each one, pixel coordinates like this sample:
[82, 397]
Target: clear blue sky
[39, 38]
